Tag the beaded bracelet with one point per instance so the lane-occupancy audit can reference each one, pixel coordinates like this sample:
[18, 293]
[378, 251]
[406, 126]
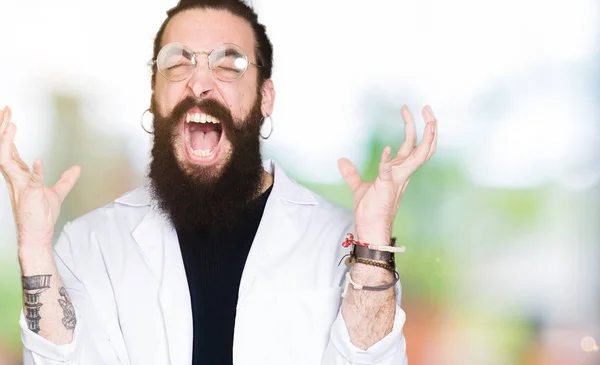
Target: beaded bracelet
[379, 264]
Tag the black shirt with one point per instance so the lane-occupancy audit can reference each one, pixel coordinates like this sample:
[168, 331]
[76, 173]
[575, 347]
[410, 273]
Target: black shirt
[214, 262]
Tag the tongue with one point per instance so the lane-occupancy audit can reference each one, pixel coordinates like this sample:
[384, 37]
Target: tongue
[204, 141]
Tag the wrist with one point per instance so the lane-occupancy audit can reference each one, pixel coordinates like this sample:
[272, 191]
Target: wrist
[35, 237]
[371, 275]
[375, 238]
[34, 253]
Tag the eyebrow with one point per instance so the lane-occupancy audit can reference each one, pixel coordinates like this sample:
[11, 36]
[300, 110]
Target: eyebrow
[187, 54]
[232, 52]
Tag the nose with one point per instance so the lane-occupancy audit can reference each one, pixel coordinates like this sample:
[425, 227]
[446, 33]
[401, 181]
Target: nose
[201, 81]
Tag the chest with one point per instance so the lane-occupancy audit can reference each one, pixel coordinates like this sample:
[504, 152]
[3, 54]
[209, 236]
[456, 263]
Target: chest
[288, 295]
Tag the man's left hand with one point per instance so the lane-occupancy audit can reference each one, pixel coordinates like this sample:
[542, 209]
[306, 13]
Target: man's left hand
[376, 202]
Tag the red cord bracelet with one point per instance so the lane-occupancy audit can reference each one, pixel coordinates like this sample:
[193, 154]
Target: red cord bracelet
[351, 241]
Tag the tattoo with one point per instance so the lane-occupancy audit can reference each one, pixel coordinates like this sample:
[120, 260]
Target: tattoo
[69, 319]
[33, 286]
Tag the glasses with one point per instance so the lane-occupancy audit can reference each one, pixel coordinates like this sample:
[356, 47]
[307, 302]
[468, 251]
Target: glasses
[228, 62]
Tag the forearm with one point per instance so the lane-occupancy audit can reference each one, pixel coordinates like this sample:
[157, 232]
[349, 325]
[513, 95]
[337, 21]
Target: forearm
[369, 315]
[47, 307]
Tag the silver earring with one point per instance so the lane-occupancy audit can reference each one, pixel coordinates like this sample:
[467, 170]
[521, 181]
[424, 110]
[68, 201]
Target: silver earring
[142, 121]
[270, 118]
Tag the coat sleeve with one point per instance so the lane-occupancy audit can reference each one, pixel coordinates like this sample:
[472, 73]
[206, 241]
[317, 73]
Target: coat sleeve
[90, 344]
[390, 350]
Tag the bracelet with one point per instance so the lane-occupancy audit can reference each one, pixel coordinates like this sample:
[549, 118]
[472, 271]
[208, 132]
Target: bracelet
[351, 241]
[382, 265]
[364, 253]
[357, 286]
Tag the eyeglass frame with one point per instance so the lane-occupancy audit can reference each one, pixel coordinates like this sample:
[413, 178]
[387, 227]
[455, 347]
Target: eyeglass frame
[153, 62]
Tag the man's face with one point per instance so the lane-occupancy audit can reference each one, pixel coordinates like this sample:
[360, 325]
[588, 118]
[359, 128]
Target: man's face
[203, 175]
[206, 147]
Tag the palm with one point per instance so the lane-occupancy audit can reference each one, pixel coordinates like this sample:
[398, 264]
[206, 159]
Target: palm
[376, 202]
[38, 210]
[35, 206]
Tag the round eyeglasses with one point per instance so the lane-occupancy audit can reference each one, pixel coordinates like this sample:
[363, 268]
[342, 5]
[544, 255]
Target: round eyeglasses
[228, 62]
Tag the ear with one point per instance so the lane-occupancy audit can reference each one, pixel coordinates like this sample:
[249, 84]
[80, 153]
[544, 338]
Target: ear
[268, 98]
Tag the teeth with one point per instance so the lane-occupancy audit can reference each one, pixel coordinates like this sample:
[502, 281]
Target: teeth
[201, 118]
[202, 153]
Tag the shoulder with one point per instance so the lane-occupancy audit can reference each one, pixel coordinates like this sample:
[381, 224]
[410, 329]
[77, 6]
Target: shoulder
[123, 213]
[325, 215]
[323, 211]
[330, 212]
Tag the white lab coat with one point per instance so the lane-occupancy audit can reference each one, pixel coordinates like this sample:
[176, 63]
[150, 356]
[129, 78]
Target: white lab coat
[122, 267]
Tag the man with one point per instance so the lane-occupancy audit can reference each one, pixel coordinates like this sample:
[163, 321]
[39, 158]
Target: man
[220, 258]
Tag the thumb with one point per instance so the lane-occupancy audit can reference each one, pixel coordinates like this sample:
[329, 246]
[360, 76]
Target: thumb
[349, 173]
[67, 181]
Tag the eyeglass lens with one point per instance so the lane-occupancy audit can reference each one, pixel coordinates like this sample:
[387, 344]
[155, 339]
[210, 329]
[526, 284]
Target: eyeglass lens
[228, 62]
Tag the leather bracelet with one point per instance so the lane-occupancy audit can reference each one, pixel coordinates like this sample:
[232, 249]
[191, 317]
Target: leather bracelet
[365, 253]
[357, 286]
[379, 264]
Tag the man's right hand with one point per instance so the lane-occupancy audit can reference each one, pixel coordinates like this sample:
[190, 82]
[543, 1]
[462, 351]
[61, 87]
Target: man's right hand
[35, 207]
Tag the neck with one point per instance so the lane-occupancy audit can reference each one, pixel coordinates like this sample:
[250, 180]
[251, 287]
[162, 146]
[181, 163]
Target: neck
[266, 181]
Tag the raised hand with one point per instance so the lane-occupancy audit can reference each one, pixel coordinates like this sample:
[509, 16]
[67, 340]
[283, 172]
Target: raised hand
[376, 202]
[36, 207]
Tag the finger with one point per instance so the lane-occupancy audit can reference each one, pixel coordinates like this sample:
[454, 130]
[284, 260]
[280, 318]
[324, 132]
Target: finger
[14, 153]
[3, 124]
[410, 134]
[37, 174]
[385, 166]
[422, 151]
[5, 117]
[434, 143]
[428, 115]
[6, 142]
[17, 159]
[66, 182]
[349, 173]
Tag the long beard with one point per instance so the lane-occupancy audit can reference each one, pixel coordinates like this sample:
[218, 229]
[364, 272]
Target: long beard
[200, 197]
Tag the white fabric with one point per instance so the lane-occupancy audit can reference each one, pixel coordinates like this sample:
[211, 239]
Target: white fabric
[122, 267]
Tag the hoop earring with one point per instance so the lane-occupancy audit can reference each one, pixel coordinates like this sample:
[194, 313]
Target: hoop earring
[142, 121]
[263, 123]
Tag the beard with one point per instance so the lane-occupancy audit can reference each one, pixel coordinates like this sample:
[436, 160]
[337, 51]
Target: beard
[197, 197]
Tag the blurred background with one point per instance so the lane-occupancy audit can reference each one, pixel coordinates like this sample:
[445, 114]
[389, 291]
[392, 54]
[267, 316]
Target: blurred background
[501, 225]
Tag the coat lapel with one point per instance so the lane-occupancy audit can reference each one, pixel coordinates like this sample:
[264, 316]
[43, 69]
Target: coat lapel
[280, 228]
[159, 245]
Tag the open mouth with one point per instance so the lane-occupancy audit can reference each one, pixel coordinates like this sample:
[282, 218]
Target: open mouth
[202, 134]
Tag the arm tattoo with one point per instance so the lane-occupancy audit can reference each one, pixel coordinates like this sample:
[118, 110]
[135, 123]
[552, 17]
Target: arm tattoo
[69, 319]
[33, 286]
